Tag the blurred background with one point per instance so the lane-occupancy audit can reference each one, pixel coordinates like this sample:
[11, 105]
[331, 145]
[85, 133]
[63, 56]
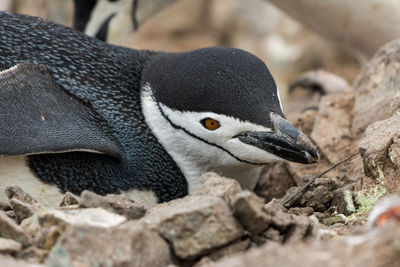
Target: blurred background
[287, 47]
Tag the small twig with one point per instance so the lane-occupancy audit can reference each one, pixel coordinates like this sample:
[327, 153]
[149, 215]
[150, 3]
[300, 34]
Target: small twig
[305, 186]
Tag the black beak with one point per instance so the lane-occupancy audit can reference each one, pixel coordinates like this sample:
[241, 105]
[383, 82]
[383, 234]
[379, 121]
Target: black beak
[285, 142]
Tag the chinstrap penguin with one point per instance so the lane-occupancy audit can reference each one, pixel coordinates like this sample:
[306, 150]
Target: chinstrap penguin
[77, 113]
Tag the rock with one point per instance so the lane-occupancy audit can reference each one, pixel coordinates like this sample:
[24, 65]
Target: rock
[343, 201]
[12, 262]
[23, 210]
[279, 216]
[381, 248]
[132, 244]
[229, 250]
[9, 246]
[377, 88]
[4, 206]
[9, 229]
[68, 200]
[17, 193]
[211, 184]
[291, 228]
[31, 225]
[194, 225]
[90, 216]
[319, 199]
[380, 150]
[274, 182]
[332, 128]
[248, 209]
[119, 204]
[301, 211]
[33, 254]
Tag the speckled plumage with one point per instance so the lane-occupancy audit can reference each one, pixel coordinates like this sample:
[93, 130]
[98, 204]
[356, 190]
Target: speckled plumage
[107, 78]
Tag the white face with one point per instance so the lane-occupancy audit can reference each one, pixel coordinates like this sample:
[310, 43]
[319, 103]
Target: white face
[197, 149]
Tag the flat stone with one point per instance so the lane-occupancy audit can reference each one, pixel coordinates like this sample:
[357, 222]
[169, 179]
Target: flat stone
[119, 204]
[211, 184]
[132, 244]
[91, 216]
[9, 246]
[194, 225]
[248, 209]
[9, 229]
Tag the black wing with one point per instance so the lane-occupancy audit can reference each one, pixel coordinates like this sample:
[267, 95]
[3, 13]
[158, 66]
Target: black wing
[37, 116]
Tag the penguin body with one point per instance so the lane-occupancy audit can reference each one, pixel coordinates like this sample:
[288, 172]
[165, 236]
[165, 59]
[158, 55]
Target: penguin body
[81, 114]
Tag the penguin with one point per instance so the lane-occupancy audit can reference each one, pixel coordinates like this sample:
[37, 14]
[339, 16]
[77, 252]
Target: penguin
[80, 114]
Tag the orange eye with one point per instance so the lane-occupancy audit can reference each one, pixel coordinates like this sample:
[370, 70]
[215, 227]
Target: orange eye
[210, 124]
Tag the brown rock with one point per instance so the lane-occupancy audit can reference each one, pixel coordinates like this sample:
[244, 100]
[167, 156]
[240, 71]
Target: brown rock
[194, 225]
[9, 246]
[332, 128]
[380, 152]
[119, 204]
[9, 229]
[301, 211]
[4, 206]
[130, 245]
[377, 88]
[248, 209]
[68, 200]
[280, 218]
[274, 182]
[211, 184]
[319, 199]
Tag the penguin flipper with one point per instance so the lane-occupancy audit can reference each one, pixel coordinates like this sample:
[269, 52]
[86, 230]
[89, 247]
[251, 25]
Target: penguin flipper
[37, 116]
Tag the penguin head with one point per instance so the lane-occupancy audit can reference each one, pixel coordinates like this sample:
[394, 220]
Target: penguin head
[220, 105]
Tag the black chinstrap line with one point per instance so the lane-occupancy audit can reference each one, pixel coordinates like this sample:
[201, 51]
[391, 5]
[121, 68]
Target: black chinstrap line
[203, 140]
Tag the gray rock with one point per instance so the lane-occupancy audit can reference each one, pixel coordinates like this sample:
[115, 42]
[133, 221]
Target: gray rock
[343, 201]
[248, 209]
[194, 225]
[9, 229]
[211, 184]
[9, 246]
[68, 200]
[119, 204]
[380, 150]
[132, 244]
[33, 254]
[23, 210]
[91, 216]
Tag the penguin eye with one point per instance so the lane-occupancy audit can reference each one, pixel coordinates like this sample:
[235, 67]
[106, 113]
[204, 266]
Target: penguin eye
[210, 124]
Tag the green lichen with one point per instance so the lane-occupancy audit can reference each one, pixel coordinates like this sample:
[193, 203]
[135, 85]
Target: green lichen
[366, 200]
[381, 177]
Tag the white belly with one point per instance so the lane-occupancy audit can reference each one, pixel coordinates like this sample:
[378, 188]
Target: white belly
[14, 171]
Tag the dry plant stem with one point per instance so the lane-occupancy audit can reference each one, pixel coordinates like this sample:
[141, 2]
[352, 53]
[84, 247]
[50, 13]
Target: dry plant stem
[305, 186]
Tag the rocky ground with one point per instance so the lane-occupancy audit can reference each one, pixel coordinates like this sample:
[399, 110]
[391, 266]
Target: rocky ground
[223, 225]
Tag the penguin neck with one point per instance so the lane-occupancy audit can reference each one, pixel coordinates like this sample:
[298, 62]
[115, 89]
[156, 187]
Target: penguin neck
[193, 156]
